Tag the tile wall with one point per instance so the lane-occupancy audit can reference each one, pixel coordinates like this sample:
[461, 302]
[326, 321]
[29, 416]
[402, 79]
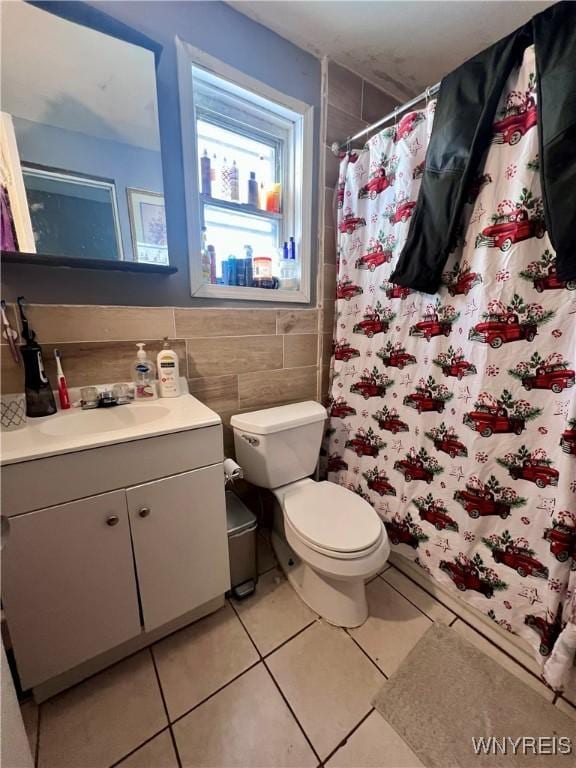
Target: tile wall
[235, 359]
[352, 104]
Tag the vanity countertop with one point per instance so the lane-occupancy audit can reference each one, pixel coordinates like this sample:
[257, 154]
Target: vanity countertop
[78, 430]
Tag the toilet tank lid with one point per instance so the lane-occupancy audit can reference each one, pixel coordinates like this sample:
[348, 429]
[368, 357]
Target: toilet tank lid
[282, 417]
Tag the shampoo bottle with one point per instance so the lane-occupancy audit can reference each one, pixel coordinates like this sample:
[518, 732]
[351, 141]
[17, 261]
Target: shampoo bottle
[168, 371]
[144, 376]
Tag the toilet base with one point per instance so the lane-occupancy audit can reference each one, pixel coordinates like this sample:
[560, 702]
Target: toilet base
[338, 601]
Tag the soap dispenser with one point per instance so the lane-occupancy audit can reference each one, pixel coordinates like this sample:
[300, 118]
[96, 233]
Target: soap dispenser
[144, 376]
[39, 395]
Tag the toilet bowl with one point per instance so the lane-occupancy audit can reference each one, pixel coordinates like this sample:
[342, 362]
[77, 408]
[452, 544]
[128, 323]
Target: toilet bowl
[328, 540]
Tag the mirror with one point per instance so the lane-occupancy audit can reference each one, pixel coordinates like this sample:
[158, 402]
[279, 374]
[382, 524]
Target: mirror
[80, 148]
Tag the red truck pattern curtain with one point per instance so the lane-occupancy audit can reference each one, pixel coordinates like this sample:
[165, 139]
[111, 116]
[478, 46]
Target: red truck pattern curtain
[454, 414]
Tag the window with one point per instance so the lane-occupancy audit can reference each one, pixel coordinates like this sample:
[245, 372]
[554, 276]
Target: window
[247, 156]
[72, 215]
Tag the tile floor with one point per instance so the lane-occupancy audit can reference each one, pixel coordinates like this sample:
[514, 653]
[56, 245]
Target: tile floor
[260, 683]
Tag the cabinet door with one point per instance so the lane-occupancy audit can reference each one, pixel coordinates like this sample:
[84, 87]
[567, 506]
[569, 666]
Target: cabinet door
[180, 543]
[69, 587]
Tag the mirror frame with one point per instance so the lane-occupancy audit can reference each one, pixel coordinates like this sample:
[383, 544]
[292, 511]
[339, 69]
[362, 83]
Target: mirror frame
[93, 18]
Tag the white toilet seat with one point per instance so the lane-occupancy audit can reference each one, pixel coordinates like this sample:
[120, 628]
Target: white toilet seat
[332, 520]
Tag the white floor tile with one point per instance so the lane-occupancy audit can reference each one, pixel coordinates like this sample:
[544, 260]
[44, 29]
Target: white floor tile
[274, 612]
[393, 628]
[99, 721]
[245, 725]
[328, 682]
[197, 660]
[375, 744]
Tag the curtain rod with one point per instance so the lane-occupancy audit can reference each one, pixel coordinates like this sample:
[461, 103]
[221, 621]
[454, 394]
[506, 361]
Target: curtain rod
[430, 91]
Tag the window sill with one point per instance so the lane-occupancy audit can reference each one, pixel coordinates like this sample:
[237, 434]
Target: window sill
[11, 257]
[251, 294]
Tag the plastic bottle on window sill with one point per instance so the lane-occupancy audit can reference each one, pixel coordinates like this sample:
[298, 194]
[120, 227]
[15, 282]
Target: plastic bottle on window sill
[204, 257]
[234, 182]
[253, 190]
[225, 181]
[205, 174]
[212, 256]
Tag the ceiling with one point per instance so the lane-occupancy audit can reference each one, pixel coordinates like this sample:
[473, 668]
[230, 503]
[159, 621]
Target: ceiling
[69, 76]
[401, 46]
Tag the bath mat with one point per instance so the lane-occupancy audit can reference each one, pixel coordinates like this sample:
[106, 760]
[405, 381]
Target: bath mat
[446, 693]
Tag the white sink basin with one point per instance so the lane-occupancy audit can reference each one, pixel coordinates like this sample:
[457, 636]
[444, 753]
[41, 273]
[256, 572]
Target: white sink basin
[99, 420]
[77, 430]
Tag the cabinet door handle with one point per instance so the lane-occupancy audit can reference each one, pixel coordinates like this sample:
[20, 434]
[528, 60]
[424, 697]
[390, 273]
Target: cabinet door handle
[144, 511]
[112, 520]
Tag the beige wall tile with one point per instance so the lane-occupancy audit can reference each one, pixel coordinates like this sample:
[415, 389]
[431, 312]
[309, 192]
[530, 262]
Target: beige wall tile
[297, 321]
[329, 287]
[328, 315]
[104, 362]
[332, 166]
[327, 343]
[329, 252]
[217, 392]
[224, 355]
[376, 103]
[224, 322]
[276, 387]
[340, 125]
[300, 350]
[325, 383]
[329, 207]
[344, 89]
[57, 324]
[11, 375]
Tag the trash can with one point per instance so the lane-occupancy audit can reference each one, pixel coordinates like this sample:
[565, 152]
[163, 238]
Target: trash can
[241, 546]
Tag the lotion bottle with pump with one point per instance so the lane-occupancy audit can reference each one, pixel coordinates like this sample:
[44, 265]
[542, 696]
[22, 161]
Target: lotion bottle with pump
[144, 376]
[168, 371]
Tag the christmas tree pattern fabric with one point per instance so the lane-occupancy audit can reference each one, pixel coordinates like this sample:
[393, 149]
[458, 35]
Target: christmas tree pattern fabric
[455, 414]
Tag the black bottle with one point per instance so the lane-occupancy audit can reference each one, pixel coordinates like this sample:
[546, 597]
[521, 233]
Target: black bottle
[39, 396]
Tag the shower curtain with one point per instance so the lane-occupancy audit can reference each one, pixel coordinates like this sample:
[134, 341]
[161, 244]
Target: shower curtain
[454, 414]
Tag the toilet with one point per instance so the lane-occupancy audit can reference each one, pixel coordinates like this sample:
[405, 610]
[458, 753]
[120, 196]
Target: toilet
[328, 540]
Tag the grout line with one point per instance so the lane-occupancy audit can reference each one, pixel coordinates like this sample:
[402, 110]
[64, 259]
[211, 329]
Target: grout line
[280, 691]
[143, 744]
[288, 705]
[285, 642]
[370, 659]
[348, 735]
[214, 693]
[423, 612]
[178, 760]
[36, 755]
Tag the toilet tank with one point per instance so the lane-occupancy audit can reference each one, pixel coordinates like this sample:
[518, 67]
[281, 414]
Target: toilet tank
[277, 446]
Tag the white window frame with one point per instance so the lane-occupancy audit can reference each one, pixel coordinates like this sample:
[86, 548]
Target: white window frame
[297, 191]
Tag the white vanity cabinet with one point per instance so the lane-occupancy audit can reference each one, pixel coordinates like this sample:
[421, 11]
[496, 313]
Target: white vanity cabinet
[68, 585]
[177, 531]
[108, 549]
